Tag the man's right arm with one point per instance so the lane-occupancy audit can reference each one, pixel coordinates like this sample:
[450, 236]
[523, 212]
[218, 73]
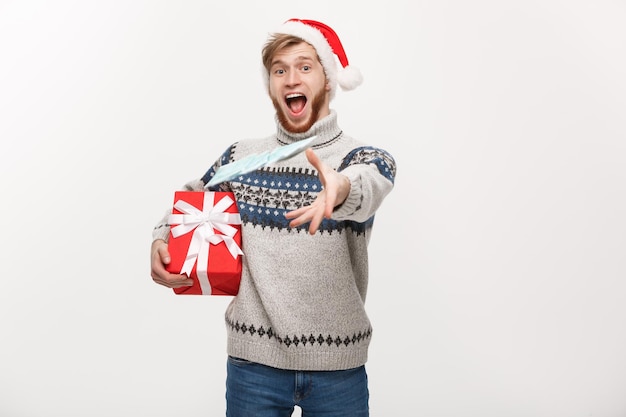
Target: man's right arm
[159, 254]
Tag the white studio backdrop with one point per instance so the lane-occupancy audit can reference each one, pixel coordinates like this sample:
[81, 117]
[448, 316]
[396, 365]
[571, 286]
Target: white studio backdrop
[497, 263]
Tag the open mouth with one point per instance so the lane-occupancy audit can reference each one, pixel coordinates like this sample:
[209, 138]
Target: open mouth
[295, 102]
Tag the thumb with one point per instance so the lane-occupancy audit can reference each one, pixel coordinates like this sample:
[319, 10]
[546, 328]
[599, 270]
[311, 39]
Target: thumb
[160, 248]
[164, 254]
[317, 164]
[313, 159]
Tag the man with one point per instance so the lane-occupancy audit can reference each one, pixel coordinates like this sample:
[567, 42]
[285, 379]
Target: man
[298, 332]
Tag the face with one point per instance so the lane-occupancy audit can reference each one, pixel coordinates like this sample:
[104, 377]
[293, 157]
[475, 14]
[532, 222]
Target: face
[298, 87]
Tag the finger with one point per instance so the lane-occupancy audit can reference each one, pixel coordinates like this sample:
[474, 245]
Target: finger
[186, 283]
[297, 212]
[305, 217]
[162, 276]
[175, 283]
[316, 221]
[305, 211]
[329, 203]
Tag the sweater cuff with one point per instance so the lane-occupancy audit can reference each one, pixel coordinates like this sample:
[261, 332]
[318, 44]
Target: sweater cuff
[162, 229]
[352, 203]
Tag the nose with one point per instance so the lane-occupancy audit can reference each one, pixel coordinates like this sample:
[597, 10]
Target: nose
[293, 78]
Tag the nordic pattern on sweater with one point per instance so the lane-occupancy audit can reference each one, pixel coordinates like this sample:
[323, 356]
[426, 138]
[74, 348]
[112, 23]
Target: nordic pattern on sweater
[267, 194]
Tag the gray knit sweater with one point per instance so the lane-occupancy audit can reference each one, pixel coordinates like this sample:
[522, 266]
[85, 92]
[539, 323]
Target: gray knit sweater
[301, 300]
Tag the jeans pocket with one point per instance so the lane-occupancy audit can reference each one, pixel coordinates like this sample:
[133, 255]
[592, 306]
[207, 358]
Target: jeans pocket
[238, 361]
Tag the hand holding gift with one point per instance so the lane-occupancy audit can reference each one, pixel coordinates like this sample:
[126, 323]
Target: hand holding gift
[160, 257]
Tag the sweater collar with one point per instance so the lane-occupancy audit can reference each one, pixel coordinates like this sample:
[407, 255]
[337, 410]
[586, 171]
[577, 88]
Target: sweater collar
[326, 130]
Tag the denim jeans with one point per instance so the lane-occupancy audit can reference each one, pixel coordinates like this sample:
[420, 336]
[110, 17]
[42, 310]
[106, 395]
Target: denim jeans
[255, 390]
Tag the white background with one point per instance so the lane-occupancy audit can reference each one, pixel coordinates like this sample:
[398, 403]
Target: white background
[497, 263]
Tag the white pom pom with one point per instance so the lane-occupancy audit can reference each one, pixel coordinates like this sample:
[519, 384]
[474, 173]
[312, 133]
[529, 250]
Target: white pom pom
[349, 78]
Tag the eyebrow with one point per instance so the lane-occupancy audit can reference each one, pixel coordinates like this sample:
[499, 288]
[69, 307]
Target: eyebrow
[298, 59]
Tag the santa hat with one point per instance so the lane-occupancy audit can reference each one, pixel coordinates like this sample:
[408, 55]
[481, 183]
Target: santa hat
[328, 48]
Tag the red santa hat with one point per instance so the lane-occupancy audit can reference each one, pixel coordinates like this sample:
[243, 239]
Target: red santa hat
[329, 49]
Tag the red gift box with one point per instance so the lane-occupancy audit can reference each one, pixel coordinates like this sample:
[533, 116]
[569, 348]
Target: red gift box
[205, 242]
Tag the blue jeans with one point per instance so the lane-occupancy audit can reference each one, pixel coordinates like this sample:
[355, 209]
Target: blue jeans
[255, 390]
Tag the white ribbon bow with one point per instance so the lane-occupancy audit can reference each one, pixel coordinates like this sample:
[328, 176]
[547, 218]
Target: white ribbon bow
[203, 223]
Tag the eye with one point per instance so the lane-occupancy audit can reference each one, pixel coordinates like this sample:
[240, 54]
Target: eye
[306, 68]
[279, 71]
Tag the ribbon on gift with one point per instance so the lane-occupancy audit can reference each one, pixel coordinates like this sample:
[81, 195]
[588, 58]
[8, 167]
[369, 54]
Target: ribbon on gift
[203, 223]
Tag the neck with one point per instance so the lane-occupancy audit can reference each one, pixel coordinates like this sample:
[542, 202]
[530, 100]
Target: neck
[326, 130]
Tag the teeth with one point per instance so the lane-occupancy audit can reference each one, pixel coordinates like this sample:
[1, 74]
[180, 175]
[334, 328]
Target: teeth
[294, 95]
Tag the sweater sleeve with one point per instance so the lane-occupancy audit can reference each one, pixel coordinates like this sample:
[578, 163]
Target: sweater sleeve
[371, 172]
[162, 228]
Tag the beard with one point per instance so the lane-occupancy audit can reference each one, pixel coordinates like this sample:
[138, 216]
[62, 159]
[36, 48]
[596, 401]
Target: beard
[317, 103]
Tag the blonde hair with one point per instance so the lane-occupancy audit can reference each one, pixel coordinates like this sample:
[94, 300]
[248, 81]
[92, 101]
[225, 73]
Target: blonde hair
[275, 43]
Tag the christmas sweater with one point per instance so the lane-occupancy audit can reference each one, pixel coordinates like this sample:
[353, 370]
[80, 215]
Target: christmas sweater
[301, 301]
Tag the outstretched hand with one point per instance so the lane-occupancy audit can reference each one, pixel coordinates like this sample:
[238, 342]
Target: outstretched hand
[336, 188]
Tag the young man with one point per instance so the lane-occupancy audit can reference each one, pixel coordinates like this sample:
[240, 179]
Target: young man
[298, 333]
